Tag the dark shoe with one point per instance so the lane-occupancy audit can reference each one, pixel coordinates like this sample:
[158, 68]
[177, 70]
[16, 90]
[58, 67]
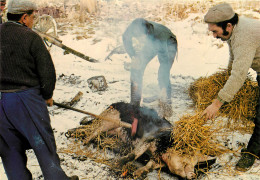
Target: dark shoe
[246, 162]
[74, 177]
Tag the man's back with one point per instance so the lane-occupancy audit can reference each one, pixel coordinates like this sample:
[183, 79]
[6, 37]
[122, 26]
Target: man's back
[25, 61]
[247, 33]
[161, 32]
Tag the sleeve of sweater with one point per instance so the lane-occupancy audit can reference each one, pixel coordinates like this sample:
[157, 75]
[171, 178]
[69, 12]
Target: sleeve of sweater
[244, 49]
[44, 67]
[231, 56]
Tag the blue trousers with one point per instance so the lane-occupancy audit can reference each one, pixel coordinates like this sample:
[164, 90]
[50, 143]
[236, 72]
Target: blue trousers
[165, 60]
[25, 124]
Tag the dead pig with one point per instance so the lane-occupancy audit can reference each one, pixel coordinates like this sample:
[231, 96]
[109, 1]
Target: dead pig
[153, 137]
[150, 124]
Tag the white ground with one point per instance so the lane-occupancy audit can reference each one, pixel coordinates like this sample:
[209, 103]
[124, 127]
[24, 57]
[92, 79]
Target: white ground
[199, 55]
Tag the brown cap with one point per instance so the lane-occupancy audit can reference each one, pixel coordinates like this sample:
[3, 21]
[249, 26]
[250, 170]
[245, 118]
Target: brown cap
[219, 13]
[20, 6]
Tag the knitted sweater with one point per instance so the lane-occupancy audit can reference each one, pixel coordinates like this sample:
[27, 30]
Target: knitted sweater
[24, 60]
[244, 48]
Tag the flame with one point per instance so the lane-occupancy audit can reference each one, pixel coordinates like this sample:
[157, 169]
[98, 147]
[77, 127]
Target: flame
[124, 173]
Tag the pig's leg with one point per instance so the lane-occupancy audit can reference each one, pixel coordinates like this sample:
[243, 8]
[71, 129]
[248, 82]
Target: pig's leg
[141, 148]
[115, 131]
[89, 138]
[138, 151]
[148, 168]
[120, 133]
[105, 126]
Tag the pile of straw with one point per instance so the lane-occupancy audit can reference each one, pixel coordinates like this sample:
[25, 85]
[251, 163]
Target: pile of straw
[194, 135]
[242, 107]
[191, 135]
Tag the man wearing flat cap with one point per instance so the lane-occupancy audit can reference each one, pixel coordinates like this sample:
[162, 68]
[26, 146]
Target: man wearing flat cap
[243, 37]
[27, 82]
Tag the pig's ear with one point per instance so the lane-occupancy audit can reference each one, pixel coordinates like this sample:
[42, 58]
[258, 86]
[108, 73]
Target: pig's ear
[204, 158]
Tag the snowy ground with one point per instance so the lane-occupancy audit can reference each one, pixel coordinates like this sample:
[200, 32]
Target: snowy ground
[199, 55]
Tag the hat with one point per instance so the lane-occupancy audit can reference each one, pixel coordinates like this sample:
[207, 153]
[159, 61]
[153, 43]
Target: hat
[20, 6]
[219, 13]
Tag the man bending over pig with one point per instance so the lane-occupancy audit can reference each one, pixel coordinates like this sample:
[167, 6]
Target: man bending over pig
[154, 39]
[243, 37]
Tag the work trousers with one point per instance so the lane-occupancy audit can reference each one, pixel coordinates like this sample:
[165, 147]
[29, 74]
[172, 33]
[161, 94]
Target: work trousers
[143, 58]
[25, 124]
[254, 142]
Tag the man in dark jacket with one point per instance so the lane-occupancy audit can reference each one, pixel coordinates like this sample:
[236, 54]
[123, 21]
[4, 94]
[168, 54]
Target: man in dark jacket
[154, 39]
[27, 82]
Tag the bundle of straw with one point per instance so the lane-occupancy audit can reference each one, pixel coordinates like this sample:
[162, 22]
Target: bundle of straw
[191, 135]
[242, 107]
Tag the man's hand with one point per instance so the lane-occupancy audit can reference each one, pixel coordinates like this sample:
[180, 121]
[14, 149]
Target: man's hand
[49, 102]
[212, 109]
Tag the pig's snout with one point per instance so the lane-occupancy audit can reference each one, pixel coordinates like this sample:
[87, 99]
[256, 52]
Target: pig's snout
[179, 165]
[189, 171]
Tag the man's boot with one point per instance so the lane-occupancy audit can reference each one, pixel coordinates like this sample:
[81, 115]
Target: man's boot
[165, 105]
[74, 177]
[135, 94]
[246, 161]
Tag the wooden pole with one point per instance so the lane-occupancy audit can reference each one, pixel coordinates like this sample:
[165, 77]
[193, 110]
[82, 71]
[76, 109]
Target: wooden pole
[67, 49]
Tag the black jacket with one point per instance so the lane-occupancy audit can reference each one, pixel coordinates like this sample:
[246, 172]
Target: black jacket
[25, 60]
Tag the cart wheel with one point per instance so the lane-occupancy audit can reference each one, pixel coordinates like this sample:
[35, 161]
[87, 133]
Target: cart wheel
[4, 15]
[46, 24]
